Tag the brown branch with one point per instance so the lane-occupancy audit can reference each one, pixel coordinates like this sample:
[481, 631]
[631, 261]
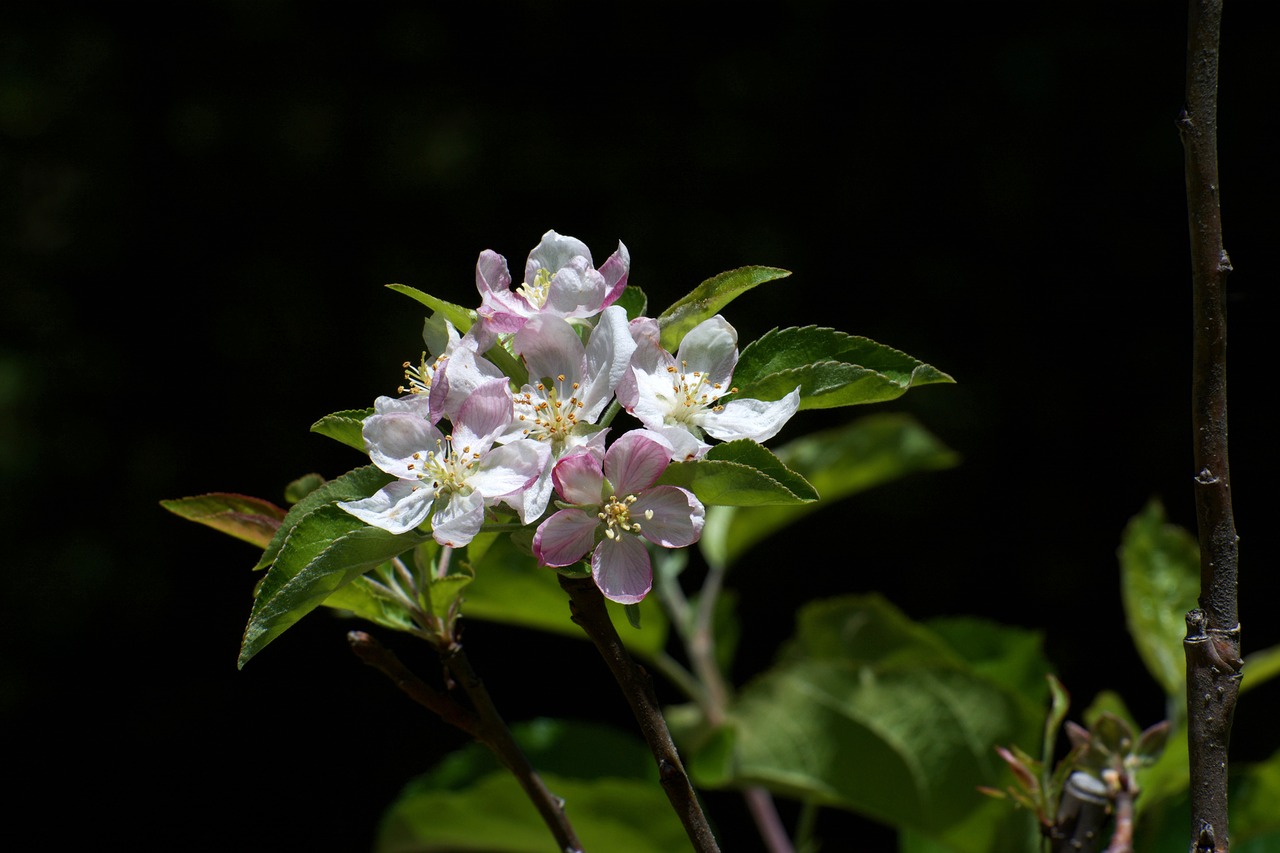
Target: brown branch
[587, 609]
[484, 724]
[1212, 643]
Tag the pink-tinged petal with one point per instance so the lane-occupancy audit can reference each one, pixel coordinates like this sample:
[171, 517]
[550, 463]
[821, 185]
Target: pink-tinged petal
[398, 507]
[565, 538]
[532, 501]
[579, 479]
[485, 410]
[457, 379]
[458, 519]
[635, 461]
[608, 359]
[622, 570]
[509, 468]
[393, 439]
[493, 277]
[711, 347]
[648, 359]
[614, 271]
[550, 347]
[753, 419]
[677, 518]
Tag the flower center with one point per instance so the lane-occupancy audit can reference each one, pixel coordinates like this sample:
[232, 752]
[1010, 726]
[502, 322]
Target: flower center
[419, 375]
[446, 468]
[692, 394]
[549, 413]
[616, 515]
[536, 293]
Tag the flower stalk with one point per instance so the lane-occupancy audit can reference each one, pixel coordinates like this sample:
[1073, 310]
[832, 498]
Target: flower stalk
[587, 609]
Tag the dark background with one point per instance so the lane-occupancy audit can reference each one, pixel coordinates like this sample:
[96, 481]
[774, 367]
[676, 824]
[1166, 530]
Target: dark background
[203, 201]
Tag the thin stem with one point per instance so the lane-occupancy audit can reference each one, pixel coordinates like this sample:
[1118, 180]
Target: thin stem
[497, 736]
[1212, 642]
[484, 723]
[587, 609]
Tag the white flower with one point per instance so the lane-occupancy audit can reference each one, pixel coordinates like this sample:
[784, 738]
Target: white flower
[449, 478]
[679, 396]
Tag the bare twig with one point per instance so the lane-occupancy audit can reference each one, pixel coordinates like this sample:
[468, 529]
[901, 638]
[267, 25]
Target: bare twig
[587, 609]
[484, 724]
[1212, 642]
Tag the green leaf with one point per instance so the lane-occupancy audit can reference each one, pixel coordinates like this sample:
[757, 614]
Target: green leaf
[740, 473]
[1159, 583]
[510, 587]
[706, 300]
[251, 520]
[352, 486]
[869, 711]
[301, 487]
[1260, 667]
[836, 463]
[606, 779]
[344, 426]
[327, 548]
[831, 369]
[634, 301]
[461, 318]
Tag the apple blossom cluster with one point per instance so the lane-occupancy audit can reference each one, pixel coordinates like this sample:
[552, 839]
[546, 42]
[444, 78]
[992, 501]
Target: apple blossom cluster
[516, 447]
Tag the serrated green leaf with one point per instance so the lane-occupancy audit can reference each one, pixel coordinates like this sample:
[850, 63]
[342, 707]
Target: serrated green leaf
[831, 369]
[327, 548]
[461, 318]
[836, 463]
[352, 486]
[344, 426]
[248, 519]
[870, 712]
[1159, 583]
[740, 473]
[706, 300]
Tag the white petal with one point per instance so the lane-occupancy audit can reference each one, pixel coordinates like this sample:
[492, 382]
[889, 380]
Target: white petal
[753, 419]
[398, 507]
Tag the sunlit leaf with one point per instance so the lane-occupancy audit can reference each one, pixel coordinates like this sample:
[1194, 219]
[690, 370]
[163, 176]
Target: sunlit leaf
[324, 550]
[1260, 667]
[706, 300]
[251, 520]
[836, 463]
[354, 485]
[740, 473]
[461, 318]
[344, 427]
[1159, 583]
[831, 369]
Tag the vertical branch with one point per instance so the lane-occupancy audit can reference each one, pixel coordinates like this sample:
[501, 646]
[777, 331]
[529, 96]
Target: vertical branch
[1212, 643]
[588, 612]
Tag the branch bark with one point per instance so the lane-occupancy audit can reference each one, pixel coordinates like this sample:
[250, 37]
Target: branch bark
[1212, 642]
[484, 724]
[587, 609]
